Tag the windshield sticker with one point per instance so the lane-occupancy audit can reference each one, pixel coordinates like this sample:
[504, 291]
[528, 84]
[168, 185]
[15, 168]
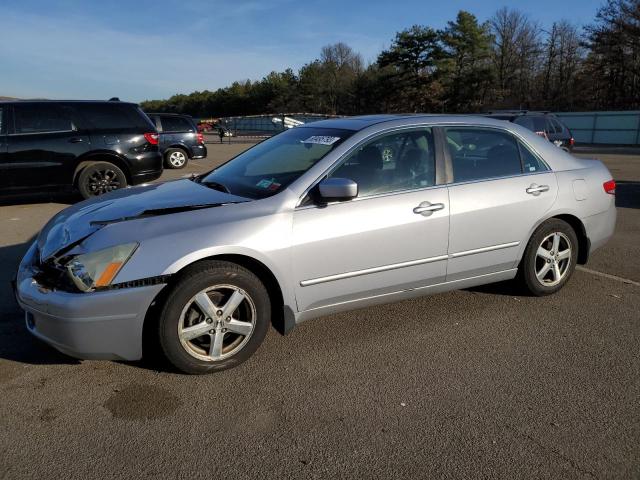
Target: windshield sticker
[321, 140]
[268, 184]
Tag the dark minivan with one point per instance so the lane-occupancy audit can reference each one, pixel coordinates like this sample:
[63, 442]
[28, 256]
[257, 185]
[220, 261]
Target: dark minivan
[179, 139]
[543, 123]
[93, 146]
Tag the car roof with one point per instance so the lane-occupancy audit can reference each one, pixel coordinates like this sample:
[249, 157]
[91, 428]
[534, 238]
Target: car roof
[168, 114]
[361, 122]
[109, 102]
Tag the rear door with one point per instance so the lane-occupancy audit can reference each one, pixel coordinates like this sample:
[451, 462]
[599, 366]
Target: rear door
[43, 145]
[500, 190]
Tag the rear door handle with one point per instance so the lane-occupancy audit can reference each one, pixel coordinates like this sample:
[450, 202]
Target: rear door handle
[427, 208]
[75, 140]
[537, 189]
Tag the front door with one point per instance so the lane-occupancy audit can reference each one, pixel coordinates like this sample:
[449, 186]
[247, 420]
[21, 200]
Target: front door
[500, 191]
[44, 145]
[392, 237]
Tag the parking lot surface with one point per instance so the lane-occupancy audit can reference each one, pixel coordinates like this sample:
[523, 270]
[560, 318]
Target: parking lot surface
[480, 383]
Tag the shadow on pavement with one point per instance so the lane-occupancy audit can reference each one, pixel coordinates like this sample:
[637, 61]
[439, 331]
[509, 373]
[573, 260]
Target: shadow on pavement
[42, 197]
[627, 194]
[16, 343]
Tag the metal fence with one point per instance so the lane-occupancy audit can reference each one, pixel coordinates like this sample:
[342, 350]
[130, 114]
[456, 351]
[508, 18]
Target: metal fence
[267, 125]
[606, 128]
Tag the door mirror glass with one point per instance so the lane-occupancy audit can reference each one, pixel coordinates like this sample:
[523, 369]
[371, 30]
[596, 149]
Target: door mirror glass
[337, 189]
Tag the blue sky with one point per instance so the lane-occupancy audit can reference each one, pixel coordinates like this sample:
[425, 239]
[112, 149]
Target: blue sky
[142, 49]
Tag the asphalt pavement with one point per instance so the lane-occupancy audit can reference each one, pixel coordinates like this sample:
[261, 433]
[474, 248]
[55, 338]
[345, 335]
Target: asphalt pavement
[480, 383]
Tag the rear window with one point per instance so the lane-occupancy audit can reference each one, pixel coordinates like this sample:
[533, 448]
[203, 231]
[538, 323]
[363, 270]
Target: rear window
[176, 124]
[114, 116]
[40, 118]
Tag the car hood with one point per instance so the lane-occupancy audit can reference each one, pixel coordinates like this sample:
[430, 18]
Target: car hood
[79, 221]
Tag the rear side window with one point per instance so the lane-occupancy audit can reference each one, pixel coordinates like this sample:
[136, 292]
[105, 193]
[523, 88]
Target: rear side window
[478, 154]
[114, 116]
[175, 124]
[43, 118]
[2, 122]
[530, 162]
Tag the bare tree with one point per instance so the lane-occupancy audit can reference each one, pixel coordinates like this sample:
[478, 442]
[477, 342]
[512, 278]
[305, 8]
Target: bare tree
[516, 56]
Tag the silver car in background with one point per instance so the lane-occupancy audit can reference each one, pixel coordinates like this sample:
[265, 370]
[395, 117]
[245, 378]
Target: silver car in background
[325, 217]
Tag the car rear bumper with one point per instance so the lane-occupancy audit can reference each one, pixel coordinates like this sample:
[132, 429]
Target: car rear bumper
[103, 325]
[199, 151]
[600, 227]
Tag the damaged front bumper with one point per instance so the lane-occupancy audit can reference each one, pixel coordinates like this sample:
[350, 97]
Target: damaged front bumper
[105, 325]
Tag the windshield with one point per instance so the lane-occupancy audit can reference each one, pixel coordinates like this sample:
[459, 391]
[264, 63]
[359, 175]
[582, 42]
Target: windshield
[272, 165]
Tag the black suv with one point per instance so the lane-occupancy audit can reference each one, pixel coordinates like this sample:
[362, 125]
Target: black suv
[94, 146]
[179, 139]
[545, 124]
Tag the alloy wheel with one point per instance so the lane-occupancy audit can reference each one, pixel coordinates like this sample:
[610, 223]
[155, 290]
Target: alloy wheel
[103, 181]
[217, 323]
[553, 259]
[177, 159]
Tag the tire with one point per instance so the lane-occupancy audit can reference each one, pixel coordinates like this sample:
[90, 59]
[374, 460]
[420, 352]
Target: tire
[187, 333]
[175, 158]
[544, 271]
[99, 178]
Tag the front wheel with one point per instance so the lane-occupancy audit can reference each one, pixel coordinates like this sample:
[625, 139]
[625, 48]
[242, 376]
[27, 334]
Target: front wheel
[214, 318]
[550, 258]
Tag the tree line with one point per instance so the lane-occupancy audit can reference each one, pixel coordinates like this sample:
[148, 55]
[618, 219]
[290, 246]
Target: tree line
[508, 61]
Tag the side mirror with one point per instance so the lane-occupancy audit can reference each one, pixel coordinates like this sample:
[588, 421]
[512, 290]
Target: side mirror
[337, 189]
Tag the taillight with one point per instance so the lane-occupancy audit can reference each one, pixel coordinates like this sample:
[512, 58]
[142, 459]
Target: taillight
[572, 142]
[152, 138]
[200, 137]
[610, 187]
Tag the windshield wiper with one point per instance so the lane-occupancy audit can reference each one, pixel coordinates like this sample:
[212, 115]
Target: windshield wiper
[216, 186]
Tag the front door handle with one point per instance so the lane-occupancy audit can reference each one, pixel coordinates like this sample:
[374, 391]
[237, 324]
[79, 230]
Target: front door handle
[537, 189]
[427, 208]
[75, 140]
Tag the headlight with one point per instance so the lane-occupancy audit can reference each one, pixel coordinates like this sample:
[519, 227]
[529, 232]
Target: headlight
[98, 269]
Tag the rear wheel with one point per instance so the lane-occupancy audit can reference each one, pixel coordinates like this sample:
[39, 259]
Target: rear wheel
[214, 318]
[100, 178]
[175, 158]
[550, 258]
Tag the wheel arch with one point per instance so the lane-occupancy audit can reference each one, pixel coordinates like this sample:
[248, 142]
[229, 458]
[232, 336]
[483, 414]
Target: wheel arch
[581, 233]
[95, 157]
[574, 221]
[282, 316]
[180, 146]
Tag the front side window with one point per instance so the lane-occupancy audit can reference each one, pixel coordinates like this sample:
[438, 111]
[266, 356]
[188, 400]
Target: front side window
[394, 162]
[478, 153]
[272, 165]
[33, 118]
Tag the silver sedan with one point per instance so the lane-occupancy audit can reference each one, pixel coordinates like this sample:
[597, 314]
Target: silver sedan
[325, 217]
